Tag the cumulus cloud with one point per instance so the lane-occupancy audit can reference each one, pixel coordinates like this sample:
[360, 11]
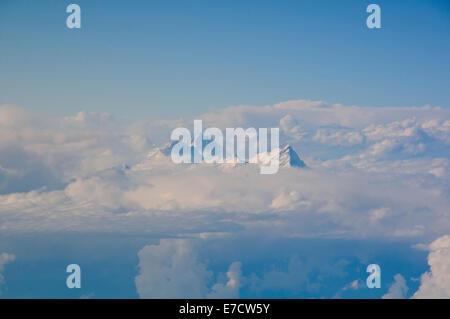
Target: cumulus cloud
[436, 282]
[321, 114]
[230, 289]
[290, 128]
[398, 289]
[353, 285]
[5, 258]
[172, 269]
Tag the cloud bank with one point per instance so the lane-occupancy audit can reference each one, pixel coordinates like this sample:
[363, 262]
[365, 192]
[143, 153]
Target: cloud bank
[371, 173]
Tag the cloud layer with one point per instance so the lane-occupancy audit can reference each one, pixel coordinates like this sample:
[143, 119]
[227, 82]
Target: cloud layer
[373, 177]
[372, 173]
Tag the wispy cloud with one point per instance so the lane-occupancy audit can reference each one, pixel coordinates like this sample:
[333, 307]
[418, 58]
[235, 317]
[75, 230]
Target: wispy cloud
[5, 258]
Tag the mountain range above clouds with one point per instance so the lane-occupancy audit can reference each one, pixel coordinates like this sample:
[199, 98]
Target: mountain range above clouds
[161, 157]
[405, 160]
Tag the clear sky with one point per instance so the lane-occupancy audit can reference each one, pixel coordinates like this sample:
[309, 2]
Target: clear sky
[171, 59]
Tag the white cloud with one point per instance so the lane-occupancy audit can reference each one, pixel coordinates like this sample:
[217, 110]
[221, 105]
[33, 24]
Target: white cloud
[172, 269]
[391, 178]
[90, 117]
[398, 289]
[354, 285]
[290, 127]
[436, 282]
[287, 201]
[379, 213]
[338, 137]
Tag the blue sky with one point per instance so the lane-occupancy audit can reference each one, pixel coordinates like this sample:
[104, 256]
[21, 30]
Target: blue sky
[181, 58]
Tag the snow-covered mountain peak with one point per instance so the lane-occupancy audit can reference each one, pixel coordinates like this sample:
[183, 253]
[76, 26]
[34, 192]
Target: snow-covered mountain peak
[160, 156]
[290, 158]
